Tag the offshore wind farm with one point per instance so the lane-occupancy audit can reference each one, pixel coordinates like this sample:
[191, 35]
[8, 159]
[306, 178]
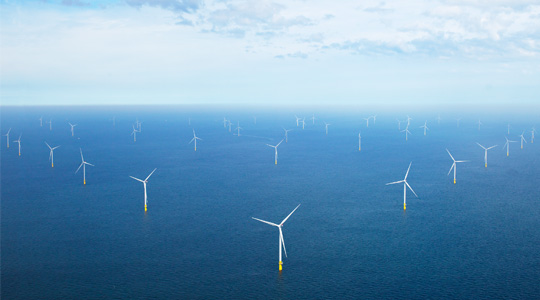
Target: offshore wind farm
[280, 112]
[197, 238]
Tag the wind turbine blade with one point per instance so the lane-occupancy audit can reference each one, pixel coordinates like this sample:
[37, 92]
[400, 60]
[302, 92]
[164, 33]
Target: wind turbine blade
[406, 174]
[82, 158]
[282, 241]
[47, 145]
[451, 168]
[79, 167]
[491, 147]
[289, 215]
[481, 146]
[279, 143]
[411, 189]
[462, 161]
[395, 182]
[150, 174]
[55, 147]
[191, 140]
[265, 222]
[137, 179]
[450, 155]
[89, 164]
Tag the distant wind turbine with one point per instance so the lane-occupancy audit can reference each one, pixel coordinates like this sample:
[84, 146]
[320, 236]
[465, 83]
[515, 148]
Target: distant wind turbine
[224, 122]
[438, 119]
[297, 120]
[454, 165]
[405, 185]
[134, 133]
[238, 129]
[408, 120]
[41, 121]
[281, 240]
[507, 145]
[508, 128]
[486, 150]
[480, 124]
[19, 142]
[425, 127]
[72, 127]
[275, 148]
[313, 118]
[7, 135]
[533, 130]
[367, 121]
[407, 132]
[360, 141]
[399, 124]
[326, 126]
[286, 135]
[374, 118]
[457, 120]
[83, 165]
[145, 181]
[51, 154]
[522, 138]
[50, 125]
[194, 139]
[254, 120]
[303, 123]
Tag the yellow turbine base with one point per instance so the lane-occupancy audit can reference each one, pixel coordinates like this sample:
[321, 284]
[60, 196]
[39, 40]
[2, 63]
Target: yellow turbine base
[359, 149]
[52, 165]
[145, 208]
[195, 148]
[19, 153]
[507, 154]
[404, 206]
[454, 181]
[280, 265]
[521, 147]
[276, 162]
[486, 165]
[84, 182]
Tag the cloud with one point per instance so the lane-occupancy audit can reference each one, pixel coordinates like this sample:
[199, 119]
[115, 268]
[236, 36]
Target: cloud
[75, 3]
[186, 6]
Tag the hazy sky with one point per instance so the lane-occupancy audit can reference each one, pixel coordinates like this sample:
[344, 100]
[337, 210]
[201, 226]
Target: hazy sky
[270, 52]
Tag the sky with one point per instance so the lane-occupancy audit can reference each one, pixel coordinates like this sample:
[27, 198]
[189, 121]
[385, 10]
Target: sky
[265, 52]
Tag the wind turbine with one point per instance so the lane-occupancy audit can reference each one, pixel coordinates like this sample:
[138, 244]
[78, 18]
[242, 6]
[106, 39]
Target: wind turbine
[485, 155]
[425, 127]
[399, 124]
[7, 135]
[51, 155]
[50, 125]
[145, 181]
[281, 240]
[134, 133]
[303, 123]
[439, 120]
[522, 139]
[360, 141]
[238, 128]
[275, 148]
[19, 142]
[367, 121]
[458, 119]
[297, 120]
[224, 122]
[230, 125]
[313, 118]
[195, 138]
[408, 120]
[189, 121]
[326, 125]
[41, 121]
[72, 126]
[507, 145]
[508, 128]
[533, 130]
[286, 135]
[405, 185]
[480, 124]
[374, 118]
[83, 165]
[407, 132]
[255, 120]
[454, 165]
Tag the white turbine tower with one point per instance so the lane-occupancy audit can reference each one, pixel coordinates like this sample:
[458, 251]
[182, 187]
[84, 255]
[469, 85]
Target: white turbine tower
[72, 127]
[522, 138]
[286, 135]
[533, 130]
[507, 145]
[439, 120]
[303, 123]
[326, 126]
[51, 154]
[41, 121]
[374, 118]
[425, 127]
[224, 122]
[367, 121]
[454, 165]
[145, 181]
[405, 185]
[7, 135]
[83, 165]
[457, 120]
[194, 139]
[275, 148]
[230, 125]
[19, 142]
[50, 125]
[408, 120]
[134, 133]
[281, 240]
[238, 129]
[485, 155]
[360, 141]
[508, 128]
[480, 124]
[399, 124]
[313, 118]
[407, 132]
[297, 120]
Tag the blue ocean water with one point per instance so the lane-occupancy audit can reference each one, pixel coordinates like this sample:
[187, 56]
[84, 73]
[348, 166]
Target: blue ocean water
[350, 238]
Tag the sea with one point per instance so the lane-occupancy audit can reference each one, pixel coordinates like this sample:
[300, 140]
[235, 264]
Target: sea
[349, 239]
